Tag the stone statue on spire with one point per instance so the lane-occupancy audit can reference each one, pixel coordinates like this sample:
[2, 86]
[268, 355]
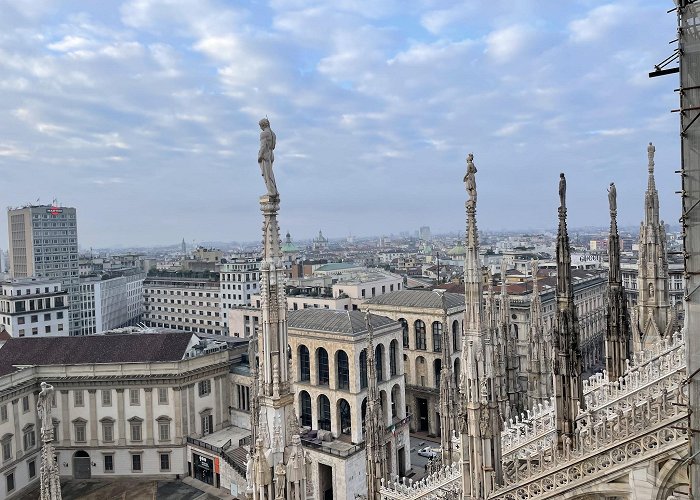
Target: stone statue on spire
[650, 153]
[470, 180]
[266, 156]
[612, 198]
[562, 190]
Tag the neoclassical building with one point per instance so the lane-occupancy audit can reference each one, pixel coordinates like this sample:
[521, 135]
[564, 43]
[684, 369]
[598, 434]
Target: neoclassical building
[124, 405]
[421, 315]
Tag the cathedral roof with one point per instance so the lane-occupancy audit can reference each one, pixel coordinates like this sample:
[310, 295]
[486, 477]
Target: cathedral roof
[332, 321]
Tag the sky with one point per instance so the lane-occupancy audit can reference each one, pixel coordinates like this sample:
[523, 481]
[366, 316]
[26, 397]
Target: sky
[143, 114]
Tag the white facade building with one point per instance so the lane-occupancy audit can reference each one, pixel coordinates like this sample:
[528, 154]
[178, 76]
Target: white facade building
[184, 304]
[33, 307]
[239, 280]
[111, 302]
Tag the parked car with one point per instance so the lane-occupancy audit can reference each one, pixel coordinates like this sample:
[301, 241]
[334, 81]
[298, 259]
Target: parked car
[428, 452]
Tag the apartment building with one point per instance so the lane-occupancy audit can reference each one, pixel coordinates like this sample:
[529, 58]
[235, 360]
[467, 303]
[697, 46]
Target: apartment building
[183, 304]
[33, 307]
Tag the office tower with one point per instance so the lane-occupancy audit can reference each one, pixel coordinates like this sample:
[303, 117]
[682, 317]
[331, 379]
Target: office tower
[43, 242]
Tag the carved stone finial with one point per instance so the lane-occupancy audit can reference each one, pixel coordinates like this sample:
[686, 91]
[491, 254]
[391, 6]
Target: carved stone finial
[650, 153]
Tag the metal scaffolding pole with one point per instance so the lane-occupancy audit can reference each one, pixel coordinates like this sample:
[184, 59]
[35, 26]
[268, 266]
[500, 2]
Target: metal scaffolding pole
[689, 92]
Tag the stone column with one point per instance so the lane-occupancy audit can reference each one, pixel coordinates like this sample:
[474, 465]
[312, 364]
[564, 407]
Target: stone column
[65, 417]
[177, 405]
[217, 404]
[121, 418]
[18, 432]
[193, 416]
[149, 416]
[93, 417]
[182, 391]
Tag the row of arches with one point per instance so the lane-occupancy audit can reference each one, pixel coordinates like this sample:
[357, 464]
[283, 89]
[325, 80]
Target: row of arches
[420, 335]
[341, 417]
[386, 366]
[420, 376]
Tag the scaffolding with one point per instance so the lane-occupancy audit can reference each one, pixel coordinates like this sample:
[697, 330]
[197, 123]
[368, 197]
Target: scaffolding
[688, 54]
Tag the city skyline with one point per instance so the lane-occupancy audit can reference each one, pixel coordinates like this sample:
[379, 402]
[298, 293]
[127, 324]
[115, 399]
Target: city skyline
[143, 115]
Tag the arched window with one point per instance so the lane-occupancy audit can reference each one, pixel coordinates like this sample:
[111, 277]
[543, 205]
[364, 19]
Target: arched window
[437, 366]
[393, 359]
[322, 363]
[363, 369]
[305, 401]
[304, 364]
[345, 417]
[404, 328]
[456, 372]
[379, 362]
[324, 413]
[420, 335]
[437, 336]
[343, 370]
[456, 340]
[395, 400]
[364, 413]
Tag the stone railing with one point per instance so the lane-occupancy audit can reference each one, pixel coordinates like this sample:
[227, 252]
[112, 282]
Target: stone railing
[444, 483]
[658, 368]
[604, 442]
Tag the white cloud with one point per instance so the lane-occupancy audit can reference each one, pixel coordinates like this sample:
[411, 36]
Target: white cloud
[597, 23]
[504, 44]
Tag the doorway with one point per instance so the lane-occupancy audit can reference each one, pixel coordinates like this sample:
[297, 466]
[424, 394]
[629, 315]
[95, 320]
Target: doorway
[325, 481]
[422, 404]
[81, 465]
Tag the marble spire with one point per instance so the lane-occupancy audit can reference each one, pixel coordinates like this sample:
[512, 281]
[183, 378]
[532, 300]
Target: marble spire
[375, 448]
[272, 412]
[480, 420]
[654, 318]
[539, 349]
[568, 387]
[617, 334]
[509, 341]
[448, 422]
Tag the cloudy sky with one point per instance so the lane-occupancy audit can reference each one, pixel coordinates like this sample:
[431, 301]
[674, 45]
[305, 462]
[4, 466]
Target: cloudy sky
[143, 114]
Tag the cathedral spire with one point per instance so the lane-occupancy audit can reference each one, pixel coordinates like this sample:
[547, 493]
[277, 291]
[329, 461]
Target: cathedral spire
[617, 333]
[272, 413]
[509, 341]
[568, 388]
[375, 449]
[480, 419]
[448, 423]
[539, 374]
[654, 318]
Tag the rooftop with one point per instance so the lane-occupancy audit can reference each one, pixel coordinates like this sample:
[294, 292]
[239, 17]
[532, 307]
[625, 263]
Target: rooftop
[331, 321]
[417, 298]
[117, 348]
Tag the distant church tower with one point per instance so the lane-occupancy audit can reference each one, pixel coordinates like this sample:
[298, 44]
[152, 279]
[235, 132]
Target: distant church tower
[480, 419]
[184, 249]
[654, 318]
